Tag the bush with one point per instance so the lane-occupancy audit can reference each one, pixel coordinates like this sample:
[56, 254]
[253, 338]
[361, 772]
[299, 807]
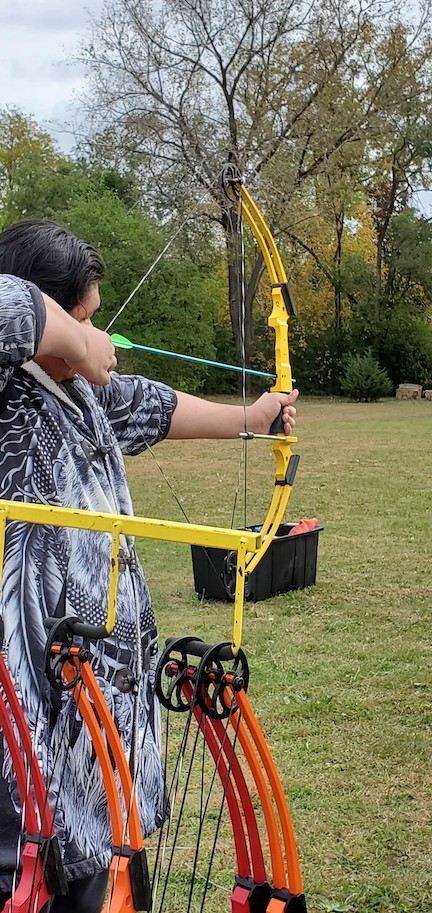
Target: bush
[365, 380]
[317, 358]
[405, 349]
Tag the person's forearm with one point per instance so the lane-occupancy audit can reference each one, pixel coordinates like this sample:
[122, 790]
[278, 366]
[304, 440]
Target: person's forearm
[198, 418]
[62, 336]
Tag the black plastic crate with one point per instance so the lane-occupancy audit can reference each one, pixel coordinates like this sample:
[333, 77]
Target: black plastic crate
[290, 563]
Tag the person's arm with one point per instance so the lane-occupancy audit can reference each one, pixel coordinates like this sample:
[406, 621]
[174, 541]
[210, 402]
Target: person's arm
[22, 321]
[85, 349]
[90, 352]
[197, 418]
[32, 324]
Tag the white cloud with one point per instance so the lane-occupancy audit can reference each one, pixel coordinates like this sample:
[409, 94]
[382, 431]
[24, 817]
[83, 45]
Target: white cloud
[39, 72]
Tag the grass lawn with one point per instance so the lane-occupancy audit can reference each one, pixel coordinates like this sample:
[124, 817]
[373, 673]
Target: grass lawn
[340, 673]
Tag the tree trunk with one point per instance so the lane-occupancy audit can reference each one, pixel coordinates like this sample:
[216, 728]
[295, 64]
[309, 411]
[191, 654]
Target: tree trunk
[340, 218]
[240, 296]
[386, 210]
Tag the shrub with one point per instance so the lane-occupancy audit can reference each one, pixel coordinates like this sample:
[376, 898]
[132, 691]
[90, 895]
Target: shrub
[405, 349]
[317, 358]
[365, 380]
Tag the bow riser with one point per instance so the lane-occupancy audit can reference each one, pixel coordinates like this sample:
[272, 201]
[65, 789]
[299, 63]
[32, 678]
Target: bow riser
[278, 321]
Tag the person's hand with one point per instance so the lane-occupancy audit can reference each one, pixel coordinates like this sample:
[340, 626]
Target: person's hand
[99, 359]
[262, 413]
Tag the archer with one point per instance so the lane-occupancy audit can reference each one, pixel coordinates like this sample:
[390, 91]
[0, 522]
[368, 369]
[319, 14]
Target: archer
[67, 419]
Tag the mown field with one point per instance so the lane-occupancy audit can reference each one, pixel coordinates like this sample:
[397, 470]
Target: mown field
[341, 672]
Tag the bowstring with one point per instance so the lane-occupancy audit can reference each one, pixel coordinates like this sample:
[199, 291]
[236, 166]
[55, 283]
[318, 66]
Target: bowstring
[241, 291]
[242, 470]
[148, 448]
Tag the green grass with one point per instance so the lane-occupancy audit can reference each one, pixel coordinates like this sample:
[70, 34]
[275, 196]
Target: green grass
[340, 673]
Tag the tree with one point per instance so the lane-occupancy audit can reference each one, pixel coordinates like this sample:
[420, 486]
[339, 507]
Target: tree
[25, 151]
[100, 205]
[408, 264]
[192, 85]
[403, 150]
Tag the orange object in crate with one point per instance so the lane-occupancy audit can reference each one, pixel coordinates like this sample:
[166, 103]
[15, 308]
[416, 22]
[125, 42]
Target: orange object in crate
[303, 526]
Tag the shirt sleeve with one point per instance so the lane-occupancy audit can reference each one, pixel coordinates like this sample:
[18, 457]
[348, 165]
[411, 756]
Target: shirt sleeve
[139, 410]
[22, 323]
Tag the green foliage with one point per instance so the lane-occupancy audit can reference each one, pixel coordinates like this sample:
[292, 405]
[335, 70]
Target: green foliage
[408, 258]
[175, 308]
[317, 357]
[364, 378]
[128, 241]
[217, 380]
[26, 154]
[174, 311]
[358, 279]
[183, 306]
[405, 349]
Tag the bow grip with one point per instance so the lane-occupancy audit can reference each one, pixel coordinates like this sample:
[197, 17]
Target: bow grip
[276, 426]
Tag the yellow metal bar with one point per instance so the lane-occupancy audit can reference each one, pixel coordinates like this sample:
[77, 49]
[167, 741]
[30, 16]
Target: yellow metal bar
[141, 527]
[239, 595]
[117, 525]
[114, 572]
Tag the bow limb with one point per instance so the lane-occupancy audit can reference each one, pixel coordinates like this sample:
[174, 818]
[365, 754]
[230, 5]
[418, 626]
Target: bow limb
[42, 873]
[68, 669]
[282, 309]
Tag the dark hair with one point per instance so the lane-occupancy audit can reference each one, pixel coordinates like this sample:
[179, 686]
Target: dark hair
[53, 258]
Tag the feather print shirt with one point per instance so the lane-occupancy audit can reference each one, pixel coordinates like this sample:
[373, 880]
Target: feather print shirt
[63, 445]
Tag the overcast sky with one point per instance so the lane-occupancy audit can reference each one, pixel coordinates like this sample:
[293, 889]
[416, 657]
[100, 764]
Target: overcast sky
[39, 39]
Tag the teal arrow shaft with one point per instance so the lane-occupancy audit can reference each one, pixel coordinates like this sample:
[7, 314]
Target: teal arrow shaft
[122, 343]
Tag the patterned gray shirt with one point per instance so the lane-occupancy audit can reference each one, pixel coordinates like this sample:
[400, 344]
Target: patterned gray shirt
[63, 445]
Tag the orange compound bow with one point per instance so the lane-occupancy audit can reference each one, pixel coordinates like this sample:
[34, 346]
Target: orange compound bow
[209, 686]
[267, 878]
[68, 669]
[42, 874]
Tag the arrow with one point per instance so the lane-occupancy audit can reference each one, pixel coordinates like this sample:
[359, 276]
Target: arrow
[121, 342]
